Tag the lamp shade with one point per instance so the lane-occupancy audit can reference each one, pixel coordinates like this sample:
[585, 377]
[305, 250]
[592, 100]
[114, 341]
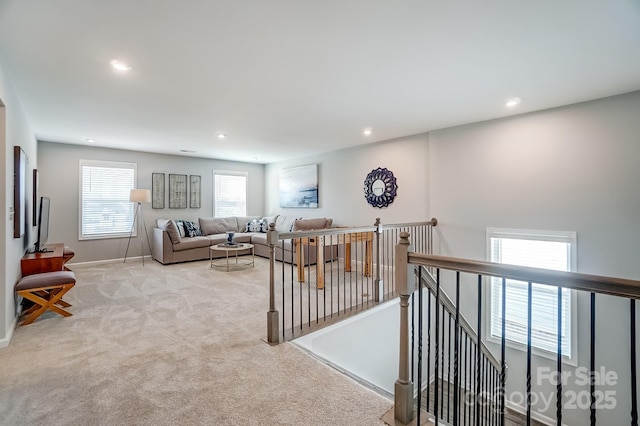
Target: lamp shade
[140, 196]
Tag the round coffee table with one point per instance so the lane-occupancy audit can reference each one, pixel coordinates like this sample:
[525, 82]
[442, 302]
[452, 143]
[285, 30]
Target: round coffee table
[235, 248]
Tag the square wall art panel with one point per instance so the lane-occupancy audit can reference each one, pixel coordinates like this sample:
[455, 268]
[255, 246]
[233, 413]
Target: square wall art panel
[299, 187]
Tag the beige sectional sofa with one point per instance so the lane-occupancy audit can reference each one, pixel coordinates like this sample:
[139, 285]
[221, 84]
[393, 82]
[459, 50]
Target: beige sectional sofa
[178, 241]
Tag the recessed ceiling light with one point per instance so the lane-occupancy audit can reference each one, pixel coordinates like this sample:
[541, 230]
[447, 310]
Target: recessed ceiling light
[221, 135]
[367, 131]
[513, 102]
[90, 140]
[119, 65]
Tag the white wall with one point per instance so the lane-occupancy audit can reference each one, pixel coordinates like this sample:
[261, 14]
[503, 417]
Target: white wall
[14, 130]
[59, 179]
[341, 177]
[574, 169]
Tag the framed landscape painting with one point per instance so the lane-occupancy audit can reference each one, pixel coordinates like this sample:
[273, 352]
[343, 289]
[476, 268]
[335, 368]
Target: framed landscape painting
[299, 187]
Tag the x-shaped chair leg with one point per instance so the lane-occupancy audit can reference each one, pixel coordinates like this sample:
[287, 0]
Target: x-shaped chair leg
[48, 303]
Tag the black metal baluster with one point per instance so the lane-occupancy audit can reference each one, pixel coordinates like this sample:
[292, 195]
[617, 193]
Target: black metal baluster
[472, 411]
[428, 348]
[356, 262]
[413, 338]
[284, 312]
[456, 343]
[420, 345]
[448, 365]
[436, 364]
[634, 389]
[441, 379]
[559, 362]
[592, 363]
[465, 404]
[503, 353]
[529, 311]
[478, 351]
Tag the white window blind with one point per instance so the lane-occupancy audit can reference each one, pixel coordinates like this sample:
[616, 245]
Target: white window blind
[105, 209]
[548, 250]
[230, 194]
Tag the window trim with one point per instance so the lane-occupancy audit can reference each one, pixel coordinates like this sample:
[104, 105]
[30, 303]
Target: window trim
[229, 173]
[111, 164]
[569, 237]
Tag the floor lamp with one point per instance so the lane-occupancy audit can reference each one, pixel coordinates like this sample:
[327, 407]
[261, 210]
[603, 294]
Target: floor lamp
[139, 196]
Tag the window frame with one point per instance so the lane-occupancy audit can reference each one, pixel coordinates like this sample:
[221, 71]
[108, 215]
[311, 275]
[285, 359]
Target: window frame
[568, 237]
[106, 164]
[244, 174]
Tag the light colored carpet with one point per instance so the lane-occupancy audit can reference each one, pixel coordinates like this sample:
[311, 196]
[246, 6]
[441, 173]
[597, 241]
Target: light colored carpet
[170, 345]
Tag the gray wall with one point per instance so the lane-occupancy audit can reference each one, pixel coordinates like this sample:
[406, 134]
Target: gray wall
[341, 177]
[14, 130]
[59, 179]
[574, 169]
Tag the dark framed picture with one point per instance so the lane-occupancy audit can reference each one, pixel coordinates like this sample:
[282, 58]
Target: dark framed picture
[177, 191]
[157, 190]
[36, 177]
[194, 191]
[19, 192]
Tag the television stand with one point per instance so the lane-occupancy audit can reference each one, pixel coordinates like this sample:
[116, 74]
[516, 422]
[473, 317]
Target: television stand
[38, 262]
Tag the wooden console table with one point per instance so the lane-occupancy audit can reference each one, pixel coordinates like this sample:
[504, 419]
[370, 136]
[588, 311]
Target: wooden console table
[319, 243]
[50, 261]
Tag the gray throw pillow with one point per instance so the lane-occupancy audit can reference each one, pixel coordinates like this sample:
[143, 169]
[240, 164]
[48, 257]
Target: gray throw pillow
[172, 230]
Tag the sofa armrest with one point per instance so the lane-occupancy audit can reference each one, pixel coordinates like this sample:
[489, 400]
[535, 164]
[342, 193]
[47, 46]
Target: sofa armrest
[162, 248]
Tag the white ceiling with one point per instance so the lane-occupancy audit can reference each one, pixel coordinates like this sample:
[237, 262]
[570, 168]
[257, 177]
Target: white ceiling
[290, 78]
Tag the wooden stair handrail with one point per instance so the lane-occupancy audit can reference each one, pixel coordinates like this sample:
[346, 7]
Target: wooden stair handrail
[572, 280]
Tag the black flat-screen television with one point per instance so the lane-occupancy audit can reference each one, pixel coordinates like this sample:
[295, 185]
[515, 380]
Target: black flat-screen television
[43, 224]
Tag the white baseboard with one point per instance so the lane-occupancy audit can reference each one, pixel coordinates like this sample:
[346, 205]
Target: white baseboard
[5, 341]
[102, 262]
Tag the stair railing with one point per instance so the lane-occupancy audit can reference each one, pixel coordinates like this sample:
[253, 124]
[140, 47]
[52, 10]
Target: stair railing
[490, 407]
[322, 276]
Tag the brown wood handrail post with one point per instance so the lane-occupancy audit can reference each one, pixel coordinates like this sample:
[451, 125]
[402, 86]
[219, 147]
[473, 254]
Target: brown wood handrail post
[378, 284]
[403, 396]
[273, 334]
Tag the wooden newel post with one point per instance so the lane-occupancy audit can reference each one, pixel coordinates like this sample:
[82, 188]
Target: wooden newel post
[378, 284]
[273, 334]
[403, 395]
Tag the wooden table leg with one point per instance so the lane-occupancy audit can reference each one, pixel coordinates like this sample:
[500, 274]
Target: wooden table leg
[347, 257]
[320, 262]
[299, 260]
[368, 264]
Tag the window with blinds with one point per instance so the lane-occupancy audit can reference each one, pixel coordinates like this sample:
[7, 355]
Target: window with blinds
[230, 194]
[539, 249]
[105, 209]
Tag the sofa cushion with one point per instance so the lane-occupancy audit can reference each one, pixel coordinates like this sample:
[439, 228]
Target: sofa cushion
[284, 223]
[266, 221]
[259, 239]
[242, 237]
[170, 226]
[241, 222]
[181, 230]
[218, 225]
[253, 226]
[309, 224]
[191, 228]
[190, 243]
